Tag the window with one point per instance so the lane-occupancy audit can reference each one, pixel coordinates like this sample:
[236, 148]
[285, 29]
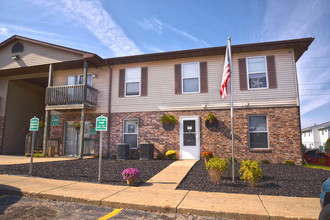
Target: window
[132, 81]
[76, 80]
[257, 72]
[130, 132]
[322, 132]
[258, 132]
[190, 77]
[18, 47]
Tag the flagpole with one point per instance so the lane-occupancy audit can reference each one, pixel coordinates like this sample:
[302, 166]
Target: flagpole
[231, 112]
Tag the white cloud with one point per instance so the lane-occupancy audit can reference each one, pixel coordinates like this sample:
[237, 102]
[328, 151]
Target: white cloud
[3, 31]
[96, 19]
[151, 24]
[154, 24]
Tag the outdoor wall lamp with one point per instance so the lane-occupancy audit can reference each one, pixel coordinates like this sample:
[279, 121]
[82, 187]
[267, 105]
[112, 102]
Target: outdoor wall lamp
[15, 57]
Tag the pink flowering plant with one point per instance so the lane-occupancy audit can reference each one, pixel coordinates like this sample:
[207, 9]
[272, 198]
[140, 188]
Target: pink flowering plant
[130, 173]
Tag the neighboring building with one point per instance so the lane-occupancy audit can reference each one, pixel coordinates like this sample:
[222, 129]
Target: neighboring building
[315, 136]
[136, 91]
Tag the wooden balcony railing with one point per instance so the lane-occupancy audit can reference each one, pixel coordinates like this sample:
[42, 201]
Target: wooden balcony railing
[73, 94]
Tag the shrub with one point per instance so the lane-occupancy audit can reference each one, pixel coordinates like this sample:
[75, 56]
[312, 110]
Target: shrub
[130, 173]
[38, 155]
[265, 162]
[211, 118]
[304, 148]
[289, 162]
[216, 167]
[251, 172]
[207, 154]
[171, 154]
[327, 144]
[230, 159]
[168, 119]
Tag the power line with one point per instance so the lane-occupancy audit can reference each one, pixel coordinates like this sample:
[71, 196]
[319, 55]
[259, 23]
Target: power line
[314, 83]
[315, 89]
[314, 94]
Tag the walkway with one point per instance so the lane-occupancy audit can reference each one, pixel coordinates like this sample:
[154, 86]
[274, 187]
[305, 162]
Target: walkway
[159, 194]
[8, 159]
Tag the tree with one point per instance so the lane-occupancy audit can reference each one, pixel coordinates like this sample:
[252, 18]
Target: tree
[327, 144]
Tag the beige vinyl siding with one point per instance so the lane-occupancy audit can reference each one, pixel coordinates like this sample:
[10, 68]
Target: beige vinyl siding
[99, 82]
[3, 96]
[161, 95]
[32, 55]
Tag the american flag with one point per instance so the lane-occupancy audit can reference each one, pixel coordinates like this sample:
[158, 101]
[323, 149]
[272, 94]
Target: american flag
[226, 73]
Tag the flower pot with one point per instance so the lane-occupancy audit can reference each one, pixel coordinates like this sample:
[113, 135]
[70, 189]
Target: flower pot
[215, 176]
[130, 181]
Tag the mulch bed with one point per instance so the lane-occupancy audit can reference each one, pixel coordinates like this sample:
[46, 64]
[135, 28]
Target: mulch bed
[86, 170]
[278, 179]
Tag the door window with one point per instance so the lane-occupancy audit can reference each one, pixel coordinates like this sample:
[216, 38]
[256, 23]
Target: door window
[189, 133]
[130, 132]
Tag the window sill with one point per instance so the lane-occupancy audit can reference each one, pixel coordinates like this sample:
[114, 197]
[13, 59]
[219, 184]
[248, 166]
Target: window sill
[260, 150]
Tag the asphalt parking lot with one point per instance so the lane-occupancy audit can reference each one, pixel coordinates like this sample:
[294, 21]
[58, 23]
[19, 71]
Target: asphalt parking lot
[18, 207]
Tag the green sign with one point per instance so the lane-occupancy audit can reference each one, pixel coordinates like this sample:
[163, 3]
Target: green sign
[55, 121]
[34, 124]
[101, 123]
[93, 131]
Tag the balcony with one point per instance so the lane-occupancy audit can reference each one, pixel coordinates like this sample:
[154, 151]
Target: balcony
[71, 97]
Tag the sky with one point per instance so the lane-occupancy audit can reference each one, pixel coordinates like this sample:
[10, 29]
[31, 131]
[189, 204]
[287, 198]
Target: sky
[112, 28]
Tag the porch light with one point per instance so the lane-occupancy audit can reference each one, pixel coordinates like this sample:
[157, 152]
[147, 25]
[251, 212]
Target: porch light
[15, 57]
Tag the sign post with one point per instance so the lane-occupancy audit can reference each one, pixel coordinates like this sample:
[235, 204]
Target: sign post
[101, 125]
[34, 126]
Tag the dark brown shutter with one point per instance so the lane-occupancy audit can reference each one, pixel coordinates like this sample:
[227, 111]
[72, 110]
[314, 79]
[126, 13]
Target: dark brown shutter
[272, 81]
[121, 92]
[242, 74]
[177, 84]
[203, 73]
[144, 81]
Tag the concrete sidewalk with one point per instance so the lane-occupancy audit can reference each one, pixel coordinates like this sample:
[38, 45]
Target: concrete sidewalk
[9, 160]
[159, 194]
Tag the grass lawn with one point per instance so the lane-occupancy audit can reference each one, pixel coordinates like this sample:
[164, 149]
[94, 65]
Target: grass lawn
[316, 166]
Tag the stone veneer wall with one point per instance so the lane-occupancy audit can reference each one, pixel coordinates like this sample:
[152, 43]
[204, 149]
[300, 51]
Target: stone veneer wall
[283, 128]
[58, 131]
[2, 129]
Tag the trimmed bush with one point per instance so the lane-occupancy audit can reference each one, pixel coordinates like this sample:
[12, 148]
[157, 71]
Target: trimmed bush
[216, 167]
[251, 172]
[171, 154]
[289, 162]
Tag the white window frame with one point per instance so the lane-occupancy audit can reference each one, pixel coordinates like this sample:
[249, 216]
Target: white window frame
[137, 131]
[81, 75]
[253, 148]
[199, 78]
[247, 72]
[133, 82]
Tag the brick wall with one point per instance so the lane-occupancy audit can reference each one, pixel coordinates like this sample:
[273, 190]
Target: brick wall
[2, 129]
[283, 127]
[58, 131]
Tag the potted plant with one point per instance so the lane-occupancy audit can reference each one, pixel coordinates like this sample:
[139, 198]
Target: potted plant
[76, 125]
[130, 174]
[168, 119]
[207, 155]
[211, 118]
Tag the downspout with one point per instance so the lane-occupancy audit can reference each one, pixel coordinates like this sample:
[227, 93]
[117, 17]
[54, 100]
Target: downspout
[298, 99]
[109, 110]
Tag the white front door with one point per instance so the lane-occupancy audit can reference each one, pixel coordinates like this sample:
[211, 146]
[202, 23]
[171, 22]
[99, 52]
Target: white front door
[190, 137]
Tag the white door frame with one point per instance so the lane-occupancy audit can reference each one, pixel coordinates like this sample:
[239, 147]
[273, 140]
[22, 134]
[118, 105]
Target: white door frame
[197, 131]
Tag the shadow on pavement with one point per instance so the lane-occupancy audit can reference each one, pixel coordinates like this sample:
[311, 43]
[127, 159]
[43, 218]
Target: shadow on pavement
[6, 198]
